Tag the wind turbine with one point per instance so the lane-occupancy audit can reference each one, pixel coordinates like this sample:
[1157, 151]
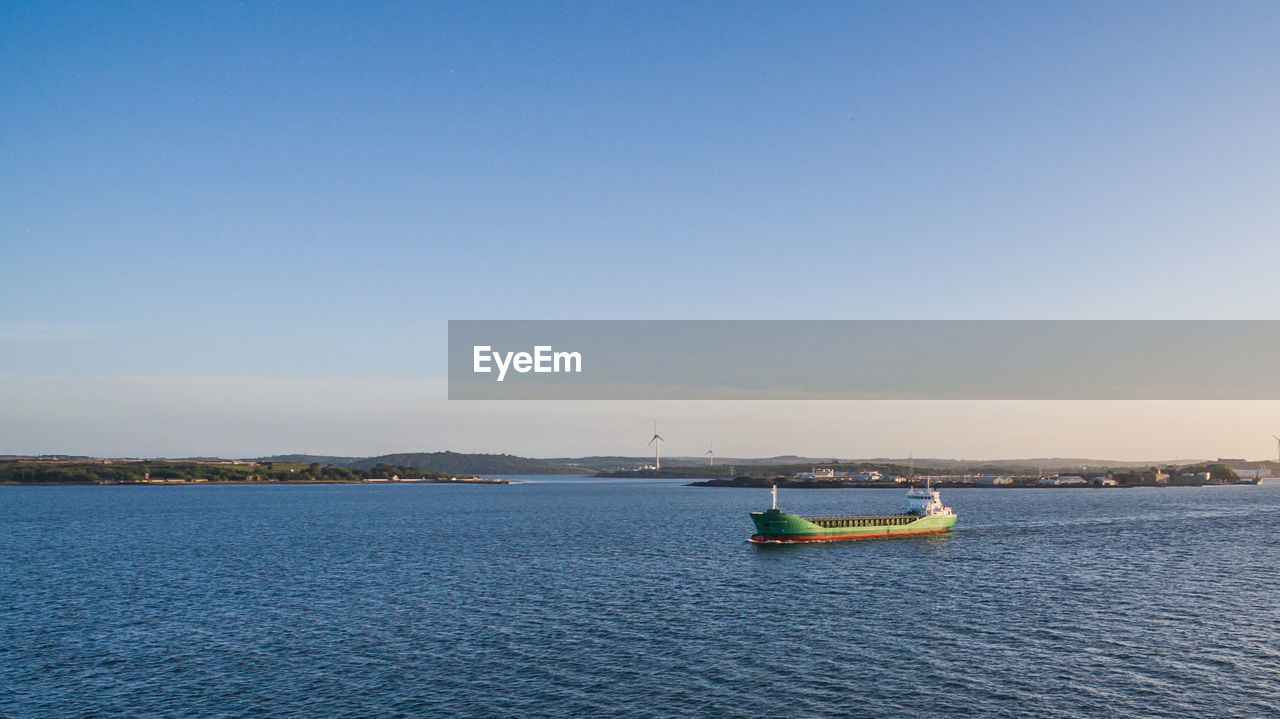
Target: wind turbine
[1277, 447]
[712, 453]
[656, 441]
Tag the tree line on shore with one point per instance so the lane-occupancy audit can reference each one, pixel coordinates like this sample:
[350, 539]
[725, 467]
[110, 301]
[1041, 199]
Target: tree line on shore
[115, 472]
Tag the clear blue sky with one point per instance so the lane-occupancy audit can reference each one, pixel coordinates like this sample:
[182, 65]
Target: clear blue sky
[286, 193]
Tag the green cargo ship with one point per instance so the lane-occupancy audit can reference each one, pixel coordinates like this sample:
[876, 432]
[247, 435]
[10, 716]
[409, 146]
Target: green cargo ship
[924, 514]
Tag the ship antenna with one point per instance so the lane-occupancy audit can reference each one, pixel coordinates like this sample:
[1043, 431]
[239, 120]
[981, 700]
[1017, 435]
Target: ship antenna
[775, 496]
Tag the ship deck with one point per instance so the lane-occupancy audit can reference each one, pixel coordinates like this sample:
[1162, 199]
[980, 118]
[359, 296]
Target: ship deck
[845, 520]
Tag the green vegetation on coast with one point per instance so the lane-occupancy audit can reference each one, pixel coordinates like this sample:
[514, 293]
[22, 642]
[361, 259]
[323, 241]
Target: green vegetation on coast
[153, 471]
[452, 463]
[786, 471]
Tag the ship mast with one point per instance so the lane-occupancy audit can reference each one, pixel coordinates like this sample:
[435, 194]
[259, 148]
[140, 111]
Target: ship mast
[911, 472]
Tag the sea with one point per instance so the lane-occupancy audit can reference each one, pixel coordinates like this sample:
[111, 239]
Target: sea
[575, 597]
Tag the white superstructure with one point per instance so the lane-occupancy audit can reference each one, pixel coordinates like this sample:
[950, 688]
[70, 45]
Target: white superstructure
[926, 502]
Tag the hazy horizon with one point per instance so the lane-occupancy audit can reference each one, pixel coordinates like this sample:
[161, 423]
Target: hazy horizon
[251, 417]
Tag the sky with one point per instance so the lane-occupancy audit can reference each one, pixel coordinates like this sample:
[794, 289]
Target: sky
[241, 228]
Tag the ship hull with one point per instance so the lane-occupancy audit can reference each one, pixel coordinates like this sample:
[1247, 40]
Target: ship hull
[774, 527]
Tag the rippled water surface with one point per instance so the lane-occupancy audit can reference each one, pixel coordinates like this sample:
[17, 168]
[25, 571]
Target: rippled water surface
[573, 598]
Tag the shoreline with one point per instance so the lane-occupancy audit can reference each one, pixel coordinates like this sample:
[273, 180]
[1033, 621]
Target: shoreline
[206, 483]
[755, 483]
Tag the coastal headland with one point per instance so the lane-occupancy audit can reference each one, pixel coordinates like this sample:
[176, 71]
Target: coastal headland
[786, 471]
[54, 471]
[958, 473]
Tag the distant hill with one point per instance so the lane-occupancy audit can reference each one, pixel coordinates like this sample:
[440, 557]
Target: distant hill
[469, 463]
[443, 462]
[320, 459]
[612, 463]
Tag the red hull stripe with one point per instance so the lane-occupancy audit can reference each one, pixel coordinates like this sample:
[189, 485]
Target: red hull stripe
[760, 539]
